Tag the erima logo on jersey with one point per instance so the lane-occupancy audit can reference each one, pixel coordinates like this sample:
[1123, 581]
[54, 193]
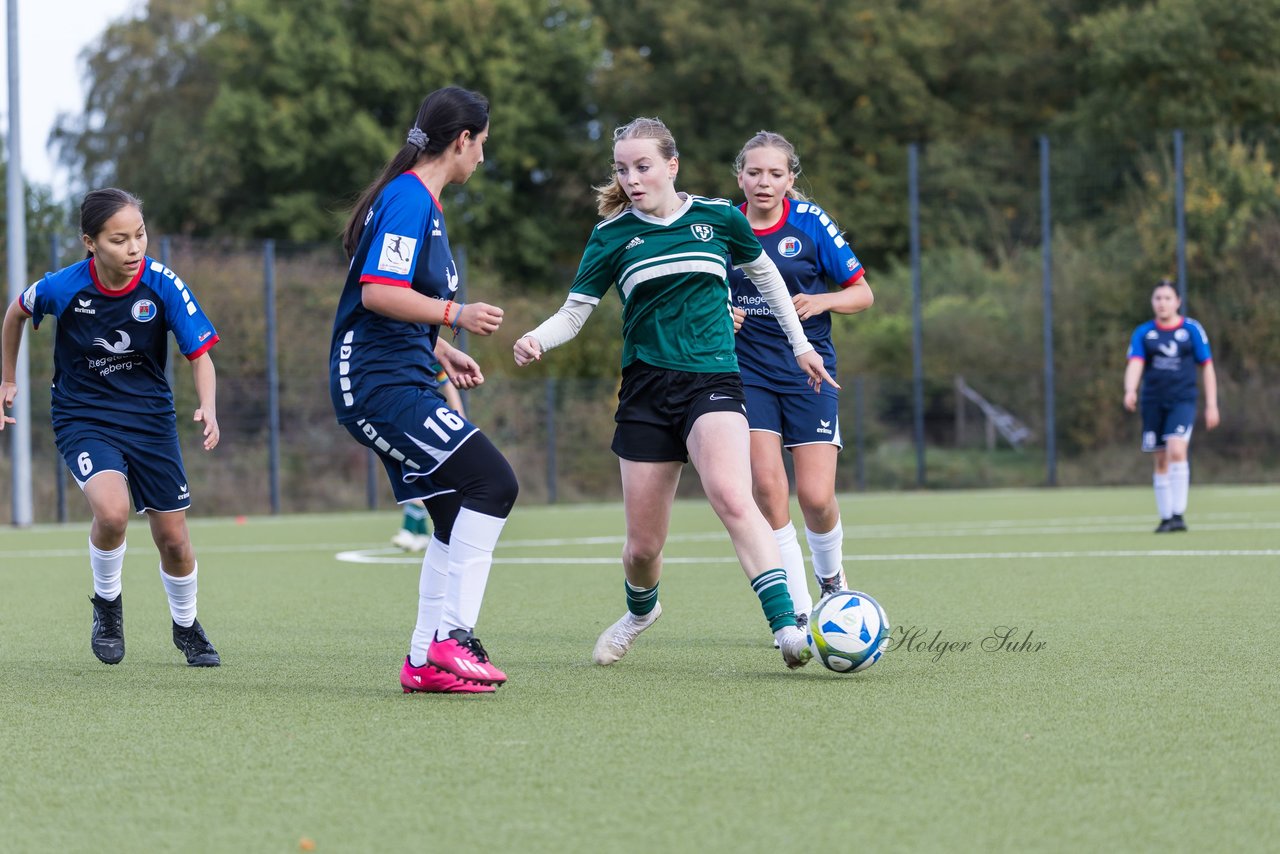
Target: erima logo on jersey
[435, 227]
[183, 492]
[83, 307]
[397, 254]
[635, 241]
[825, 429]
[702, 231]
[789, 247]
[118, 347]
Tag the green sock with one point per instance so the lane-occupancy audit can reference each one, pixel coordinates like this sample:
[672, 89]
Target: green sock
[771, 587]
[415, 519]
[640, 600]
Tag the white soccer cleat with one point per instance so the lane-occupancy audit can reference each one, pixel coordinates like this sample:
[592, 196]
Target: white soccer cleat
[403, 539]
[617, 639]
[794, 646]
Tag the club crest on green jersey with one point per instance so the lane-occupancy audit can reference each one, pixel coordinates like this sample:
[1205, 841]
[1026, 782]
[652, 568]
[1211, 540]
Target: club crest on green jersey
[702, 231]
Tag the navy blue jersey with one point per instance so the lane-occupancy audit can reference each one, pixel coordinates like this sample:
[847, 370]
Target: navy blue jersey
[403, 244]
[810, 253]
[111, 347]
[1171, 355]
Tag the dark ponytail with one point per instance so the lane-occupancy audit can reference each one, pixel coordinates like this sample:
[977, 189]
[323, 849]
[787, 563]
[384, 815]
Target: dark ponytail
[441, 119]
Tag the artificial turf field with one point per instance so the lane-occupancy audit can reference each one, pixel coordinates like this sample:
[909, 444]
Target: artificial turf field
[1148, 719]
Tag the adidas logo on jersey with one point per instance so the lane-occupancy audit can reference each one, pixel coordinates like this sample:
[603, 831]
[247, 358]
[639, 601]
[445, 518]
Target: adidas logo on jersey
[83, 307]
[635, 241]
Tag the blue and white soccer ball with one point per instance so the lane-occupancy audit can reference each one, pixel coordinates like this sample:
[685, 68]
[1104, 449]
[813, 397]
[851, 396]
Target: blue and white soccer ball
[848, 631]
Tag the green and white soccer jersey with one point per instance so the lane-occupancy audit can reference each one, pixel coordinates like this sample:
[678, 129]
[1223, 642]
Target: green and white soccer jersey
[672, 277]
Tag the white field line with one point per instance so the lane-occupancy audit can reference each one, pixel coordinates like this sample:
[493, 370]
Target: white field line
[386, 556]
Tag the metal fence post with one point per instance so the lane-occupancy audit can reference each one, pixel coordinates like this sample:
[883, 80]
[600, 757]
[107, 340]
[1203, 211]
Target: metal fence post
[917, 345]
[859, 437]
[273, 372]
[1046, 252]
[1180, 215]
[551, 440]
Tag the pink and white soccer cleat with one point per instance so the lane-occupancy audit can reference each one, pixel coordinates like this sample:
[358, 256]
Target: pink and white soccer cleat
[429, 679]
[462, 655]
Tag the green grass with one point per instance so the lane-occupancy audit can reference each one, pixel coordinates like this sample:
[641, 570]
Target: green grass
[1148, 720]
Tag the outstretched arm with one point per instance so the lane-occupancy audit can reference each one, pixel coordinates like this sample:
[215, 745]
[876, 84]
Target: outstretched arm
[1210, 379]
[554, 331]
[15, 320]
[1132, 376]
[407, 304]
[768, 281]
[850, 300]
[206, 393]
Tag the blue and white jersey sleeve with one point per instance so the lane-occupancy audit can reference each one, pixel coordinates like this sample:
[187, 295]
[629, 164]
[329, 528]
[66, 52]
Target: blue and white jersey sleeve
[38, 300]
[191, 328]
[1199, 341]
[835, 255]
[1137, 350]
[399, 225]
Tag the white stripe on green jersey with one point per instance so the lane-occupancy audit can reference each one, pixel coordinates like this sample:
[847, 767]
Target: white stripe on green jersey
[671, 275]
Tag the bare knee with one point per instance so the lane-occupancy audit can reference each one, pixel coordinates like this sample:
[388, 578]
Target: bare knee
[109, 525]
[641, 551]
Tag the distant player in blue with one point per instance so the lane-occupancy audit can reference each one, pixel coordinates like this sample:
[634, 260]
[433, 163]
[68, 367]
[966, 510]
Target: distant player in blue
[398, 296]
[824, 277]
[113, 416]
[1163, 355]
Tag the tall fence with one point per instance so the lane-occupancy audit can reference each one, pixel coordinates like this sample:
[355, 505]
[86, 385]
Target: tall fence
[992, 357]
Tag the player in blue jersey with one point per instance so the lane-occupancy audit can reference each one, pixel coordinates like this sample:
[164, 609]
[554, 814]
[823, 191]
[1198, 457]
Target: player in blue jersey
[681, 396]
[398, 296]
[1163, 355]
[113, 416]
[812, 255]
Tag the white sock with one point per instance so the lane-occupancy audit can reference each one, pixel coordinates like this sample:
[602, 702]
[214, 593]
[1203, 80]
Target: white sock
[1164, 496]
[431, 587]
[182, 596]
[826, 551]
[793, 564]
[470, 556]
[1179, 486]
[106, 568]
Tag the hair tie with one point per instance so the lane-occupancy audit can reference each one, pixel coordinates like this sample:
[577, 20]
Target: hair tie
[418, 138]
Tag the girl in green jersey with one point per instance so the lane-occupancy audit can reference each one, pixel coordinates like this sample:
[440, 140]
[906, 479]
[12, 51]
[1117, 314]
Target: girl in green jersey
[667, 256]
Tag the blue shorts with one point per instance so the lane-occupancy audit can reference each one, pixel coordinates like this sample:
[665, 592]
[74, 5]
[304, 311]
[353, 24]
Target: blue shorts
[413, 436]
[152, 467]
[800, 418]
[1161, 421]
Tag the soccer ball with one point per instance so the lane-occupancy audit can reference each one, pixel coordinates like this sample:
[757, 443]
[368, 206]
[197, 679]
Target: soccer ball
[848, 631]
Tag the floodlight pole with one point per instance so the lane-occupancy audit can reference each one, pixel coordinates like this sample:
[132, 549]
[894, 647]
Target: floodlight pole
[20, 432]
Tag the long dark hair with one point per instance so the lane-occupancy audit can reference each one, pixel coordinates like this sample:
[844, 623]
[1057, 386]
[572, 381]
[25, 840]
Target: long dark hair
[441, 119]
[101, 205]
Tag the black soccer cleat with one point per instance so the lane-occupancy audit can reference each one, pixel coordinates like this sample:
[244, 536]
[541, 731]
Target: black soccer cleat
[192, 642]
[107, 639]
[1177, 523]
[834, 584]
[1165, 526]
